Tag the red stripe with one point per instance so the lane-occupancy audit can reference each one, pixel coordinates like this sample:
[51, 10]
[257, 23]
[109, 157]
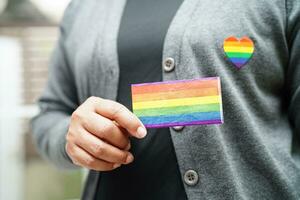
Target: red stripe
[167, 87]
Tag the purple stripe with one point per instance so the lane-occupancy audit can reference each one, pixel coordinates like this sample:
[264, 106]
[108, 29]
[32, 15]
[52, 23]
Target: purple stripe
[239, 64]
[176, 81]
[184, 123]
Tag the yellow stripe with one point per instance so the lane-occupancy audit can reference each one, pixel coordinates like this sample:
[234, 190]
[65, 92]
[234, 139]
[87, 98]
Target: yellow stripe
[238, 49]
[176, 102]
[239, 44]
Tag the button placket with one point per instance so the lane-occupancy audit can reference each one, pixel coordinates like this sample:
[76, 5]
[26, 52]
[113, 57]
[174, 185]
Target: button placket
[169, 65]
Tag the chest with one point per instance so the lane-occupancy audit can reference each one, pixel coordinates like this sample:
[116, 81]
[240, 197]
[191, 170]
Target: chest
[195, 39]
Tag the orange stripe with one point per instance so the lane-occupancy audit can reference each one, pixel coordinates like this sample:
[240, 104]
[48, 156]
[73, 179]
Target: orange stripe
[175, 94]
[168, 87]
[248, 44]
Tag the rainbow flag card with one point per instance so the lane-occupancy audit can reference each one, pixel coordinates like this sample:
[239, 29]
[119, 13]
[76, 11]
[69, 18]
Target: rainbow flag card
[178, 103]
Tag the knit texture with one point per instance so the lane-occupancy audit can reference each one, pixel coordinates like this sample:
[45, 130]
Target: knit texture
[255, 154]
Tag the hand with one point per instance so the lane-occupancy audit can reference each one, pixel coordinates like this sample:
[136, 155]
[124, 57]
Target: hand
[98, 135]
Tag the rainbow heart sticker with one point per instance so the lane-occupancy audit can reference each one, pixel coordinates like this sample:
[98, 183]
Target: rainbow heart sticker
[238, 51]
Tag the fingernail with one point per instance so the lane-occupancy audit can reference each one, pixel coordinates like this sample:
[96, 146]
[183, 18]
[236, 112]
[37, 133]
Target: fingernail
[128, 146]
[116, 165]
[129, 159]
[141, 132]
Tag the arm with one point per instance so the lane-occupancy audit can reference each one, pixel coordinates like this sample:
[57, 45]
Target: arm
[94, 134]
[57, 102]
[293, 74]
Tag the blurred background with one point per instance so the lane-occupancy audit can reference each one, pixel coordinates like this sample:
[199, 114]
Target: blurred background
[28, 32]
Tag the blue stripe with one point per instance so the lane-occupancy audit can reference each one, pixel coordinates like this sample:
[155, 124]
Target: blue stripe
[200, 116]
[239, 60]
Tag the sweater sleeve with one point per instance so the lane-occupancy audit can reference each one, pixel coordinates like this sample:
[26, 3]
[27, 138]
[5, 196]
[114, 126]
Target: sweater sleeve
[57, 102]
[293, 73]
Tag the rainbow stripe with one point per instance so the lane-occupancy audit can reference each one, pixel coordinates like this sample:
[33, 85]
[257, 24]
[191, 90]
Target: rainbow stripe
[178, 103]
[238, 51]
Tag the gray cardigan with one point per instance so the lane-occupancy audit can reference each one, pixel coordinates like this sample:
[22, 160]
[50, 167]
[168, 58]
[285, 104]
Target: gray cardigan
[255, 154]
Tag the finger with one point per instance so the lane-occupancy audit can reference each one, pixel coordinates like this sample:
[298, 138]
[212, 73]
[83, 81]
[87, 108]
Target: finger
[84, 159]
[121, 115]
[102, 150]
[125, 133]
[107, 130]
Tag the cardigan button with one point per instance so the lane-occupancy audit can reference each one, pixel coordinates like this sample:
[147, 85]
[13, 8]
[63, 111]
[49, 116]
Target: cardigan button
[191, 177]
[169, 64]
[177, 128]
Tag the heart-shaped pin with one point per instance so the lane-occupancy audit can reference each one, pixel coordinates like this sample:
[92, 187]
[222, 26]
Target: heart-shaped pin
[238, 51]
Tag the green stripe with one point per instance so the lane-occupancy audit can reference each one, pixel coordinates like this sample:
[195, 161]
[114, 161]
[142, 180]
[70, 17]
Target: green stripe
[177, 110]
[239, 55]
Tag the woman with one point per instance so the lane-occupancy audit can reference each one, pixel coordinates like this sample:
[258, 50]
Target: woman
[107, 45]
